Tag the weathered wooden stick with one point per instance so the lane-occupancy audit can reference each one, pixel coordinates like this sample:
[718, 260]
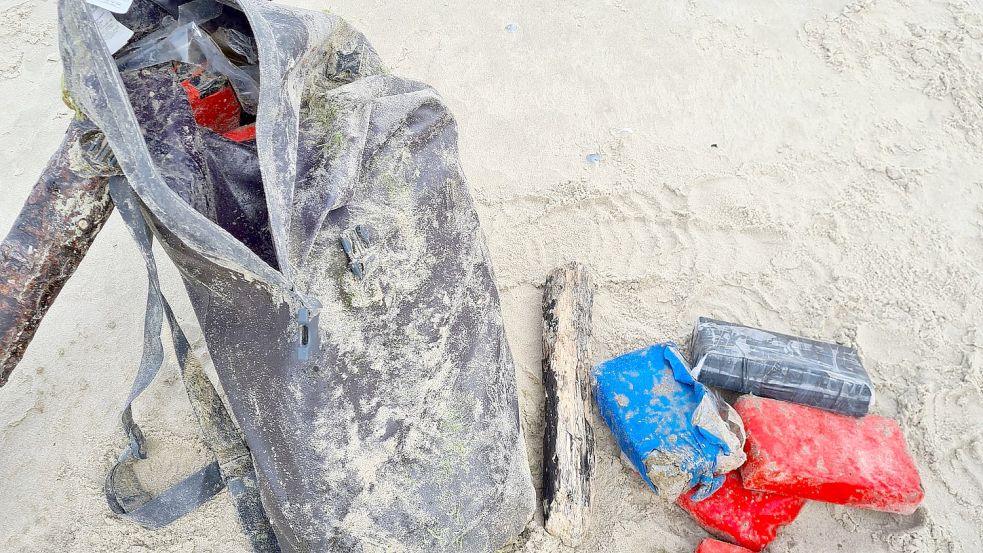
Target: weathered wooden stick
[568, 453]
[54, 230]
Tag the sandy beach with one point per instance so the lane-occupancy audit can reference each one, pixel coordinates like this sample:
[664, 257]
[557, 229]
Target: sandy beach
[814, 168]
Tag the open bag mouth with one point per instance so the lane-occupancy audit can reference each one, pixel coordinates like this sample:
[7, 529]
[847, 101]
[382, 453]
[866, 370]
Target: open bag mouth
[196, 108]
[210, 49]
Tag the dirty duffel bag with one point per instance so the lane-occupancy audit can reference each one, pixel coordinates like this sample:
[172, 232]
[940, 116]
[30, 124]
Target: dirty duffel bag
[338, 273]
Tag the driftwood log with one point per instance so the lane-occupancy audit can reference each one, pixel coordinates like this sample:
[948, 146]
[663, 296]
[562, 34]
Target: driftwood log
[60, 219]
[568, 453]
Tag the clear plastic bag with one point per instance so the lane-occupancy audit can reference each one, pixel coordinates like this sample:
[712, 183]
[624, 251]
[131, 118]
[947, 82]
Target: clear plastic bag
[184, 40]
[236, 46]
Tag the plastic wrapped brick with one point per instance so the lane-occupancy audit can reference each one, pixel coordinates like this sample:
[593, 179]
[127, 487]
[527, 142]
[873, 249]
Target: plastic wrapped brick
[676, 433]
[778, 366]
[804, 452]
[713, 546]
[748, 518]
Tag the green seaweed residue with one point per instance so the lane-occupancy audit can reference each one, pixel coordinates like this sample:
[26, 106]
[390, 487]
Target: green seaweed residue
[320, 112]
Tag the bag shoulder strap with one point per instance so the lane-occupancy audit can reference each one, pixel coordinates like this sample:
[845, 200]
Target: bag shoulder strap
[233, 466]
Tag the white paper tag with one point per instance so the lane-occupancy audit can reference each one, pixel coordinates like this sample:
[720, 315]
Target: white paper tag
[113, 32]
[115, 6]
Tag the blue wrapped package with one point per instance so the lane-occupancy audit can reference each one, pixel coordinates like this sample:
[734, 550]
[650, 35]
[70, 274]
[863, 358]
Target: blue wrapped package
[676, 433]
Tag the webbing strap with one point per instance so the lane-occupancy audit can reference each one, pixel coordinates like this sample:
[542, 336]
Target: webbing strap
[233, 465]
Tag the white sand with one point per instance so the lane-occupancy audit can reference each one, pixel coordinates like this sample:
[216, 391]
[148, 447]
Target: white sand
[844, 201]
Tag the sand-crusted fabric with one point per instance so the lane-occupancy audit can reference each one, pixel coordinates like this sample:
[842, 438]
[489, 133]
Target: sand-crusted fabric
[357, 335]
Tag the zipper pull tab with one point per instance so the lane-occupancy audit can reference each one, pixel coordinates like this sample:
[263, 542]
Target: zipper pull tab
[308, 339]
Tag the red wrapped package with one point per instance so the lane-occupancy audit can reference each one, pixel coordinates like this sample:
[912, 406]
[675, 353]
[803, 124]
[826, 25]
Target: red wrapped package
[748, 518]
[212, 98]
[814, 454]
[713, 546]
[245, 133]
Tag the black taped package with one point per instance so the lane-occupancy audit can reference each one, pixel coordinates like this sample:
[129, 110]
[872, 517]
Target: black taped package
[778, 366]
